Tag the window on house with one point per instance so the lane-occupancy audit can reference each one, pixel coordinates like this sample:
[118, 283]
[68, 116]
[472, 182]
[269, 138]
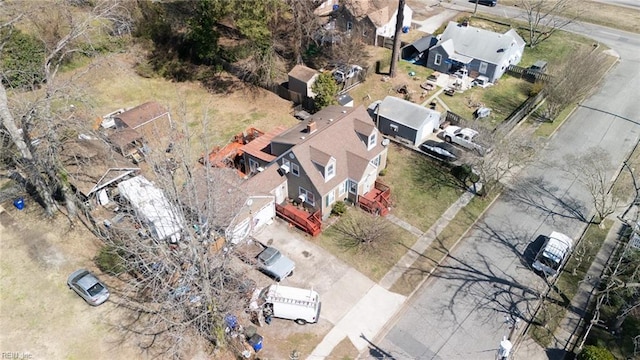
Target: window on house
[438, 59]
[343, 188]
[483, 67]
[308, 196]
[353, 187]
[394, 127]
[331, 171]
[331, 197]
[295, 169]
[376, 161]
[372, 141]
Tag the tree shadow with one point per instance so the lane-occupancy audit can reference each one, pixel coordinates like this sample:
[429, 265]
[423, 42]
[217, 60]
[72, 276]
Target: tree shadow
[537, 194]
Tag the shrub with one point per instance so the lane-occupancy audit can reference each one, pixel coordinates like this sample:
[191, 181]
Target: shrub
[21, 59]
[110, 260]
[591, 352]
[383, 172]
[536, 88]
[339, 208]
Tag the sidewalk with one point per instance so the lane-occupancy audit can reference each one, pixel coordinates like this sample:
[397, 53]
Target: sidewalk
[566, 336]
[378, 306]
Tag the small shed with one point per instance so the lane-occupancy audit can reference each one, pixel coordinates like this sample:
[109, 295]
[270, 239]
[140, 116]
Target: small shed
[141, 115]
[301, 79]
[403, 119]
[417, 51]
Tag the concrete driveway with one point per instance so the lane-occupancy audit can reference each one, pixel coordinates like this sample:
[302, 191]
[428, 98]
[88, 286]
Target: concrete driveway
[339, 285]
[356, 306]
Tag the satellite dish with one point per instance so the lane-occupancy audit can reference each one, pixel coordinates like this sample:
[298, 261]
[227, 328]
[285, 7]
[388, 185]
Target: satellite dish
[385, 142]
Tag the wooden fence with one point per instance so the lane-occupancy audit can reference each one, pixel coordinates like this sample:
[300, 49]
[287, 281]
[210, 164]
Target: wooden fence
[527, 74]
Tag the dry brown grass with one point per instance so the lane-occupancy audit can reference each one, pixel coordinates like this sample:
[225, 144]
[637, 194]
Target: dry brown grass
[208, 118]
[344, 350]
[617, 17]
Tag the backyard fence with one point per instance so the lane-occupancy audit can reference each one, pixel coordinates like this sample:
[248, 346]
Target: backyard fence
[520, 113]
[527, 74]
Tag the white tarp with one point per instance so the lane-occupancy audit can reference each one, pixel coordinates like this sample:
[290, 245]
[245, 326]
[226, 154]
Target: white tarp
[150, 203]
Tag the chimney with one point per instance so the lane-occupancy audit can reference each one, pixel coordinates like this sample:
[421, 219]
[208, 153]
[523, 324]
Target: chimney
[312, 127]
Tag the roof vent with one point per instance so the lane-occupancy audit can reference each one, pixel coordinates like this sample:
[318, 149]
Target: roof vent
[330, 120]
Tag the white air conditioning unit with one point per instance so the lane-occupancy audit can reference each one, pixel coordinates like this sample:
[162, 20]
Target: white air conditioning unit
[260, 169]
[284, 168]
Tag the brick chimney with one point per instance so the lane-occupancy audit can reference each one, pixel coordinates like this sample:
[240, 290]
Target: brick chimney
[312, 127]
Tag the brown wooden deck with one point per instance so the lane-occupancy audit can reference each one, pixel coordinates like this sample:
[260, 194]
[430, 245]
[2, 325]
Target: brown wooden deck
[308, 222]
[377, 201]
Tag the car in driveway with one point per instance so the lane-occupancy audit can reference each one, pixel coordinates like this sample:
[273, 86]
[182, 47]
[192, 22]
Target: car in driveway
[554, 253]
[464, 137]
[88, 286]
[273, 263]
[441, 150]
[267, 259]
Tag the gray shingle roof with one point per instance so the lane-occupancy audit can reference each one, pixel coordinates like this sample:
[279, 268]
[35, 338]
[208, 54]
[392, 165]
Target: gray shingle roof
[478, 43]
[406, 113]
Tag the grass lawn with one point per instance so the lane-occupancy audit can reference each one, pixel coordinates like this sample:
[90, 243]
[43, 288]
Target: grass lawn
[421, 190]
[376, 260]
[502, 98]
[440, 248]
[617, 17]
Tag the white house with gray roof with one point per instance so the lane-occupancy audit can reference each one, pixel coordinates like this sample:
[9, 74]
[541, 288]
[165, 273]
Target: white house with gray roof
[404, 120]
[482, 52]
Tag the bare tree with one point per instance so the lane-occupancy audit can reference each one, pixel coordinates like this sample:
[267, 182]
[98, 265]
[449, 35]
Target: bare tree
[574, 79]
[505, 154]
[593, 170]
[359, 230]
[178, 293]
[545, 18]
[43, 113]
[395, 54]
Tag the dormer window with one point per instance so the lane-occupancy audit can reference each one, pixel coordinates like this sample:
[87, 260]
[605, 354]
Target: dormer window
[330, 171]
[372, 141]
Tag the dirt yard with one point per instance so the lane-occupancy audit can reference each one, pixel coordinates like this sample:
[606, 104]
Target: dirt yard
[41, 315]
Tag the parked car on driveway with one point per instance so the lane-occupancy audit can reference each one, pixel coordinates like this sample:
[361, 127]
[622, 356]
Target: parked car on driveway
[441, 150]
[464, 137]
[267, 259]
[87, 285]
[554, 253]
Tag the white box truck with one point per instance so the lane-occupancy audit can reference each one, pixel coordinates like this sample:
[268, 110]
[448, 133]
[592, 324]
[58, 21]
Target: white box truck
[553, 254]
[285, 302]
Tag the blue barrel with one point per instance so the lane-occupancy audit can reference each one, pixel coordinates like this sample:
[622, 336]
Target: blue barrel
[19, 203]
[256, 342]
[336, 7]
[405, 29]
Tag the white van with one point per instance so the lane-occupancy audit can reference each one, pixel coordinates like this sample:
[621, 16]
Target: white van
[299, 305]
[553, 254]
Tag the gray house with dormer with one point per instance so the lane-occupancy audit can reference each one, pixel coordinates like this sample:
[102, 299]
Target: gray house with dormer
[481, 52]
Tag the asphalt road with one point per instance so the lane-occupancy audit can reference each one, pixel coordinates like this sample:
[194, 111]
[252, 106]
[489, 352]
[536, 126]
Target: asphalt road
[465, 309]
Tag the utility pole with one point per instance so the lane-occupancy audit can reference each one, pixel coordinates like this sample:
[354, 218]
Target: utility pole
[395, 54]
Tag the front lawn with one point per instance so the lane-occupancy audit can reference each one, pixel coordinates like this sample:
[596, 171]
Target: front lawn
[421, 190]
[373, 260]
